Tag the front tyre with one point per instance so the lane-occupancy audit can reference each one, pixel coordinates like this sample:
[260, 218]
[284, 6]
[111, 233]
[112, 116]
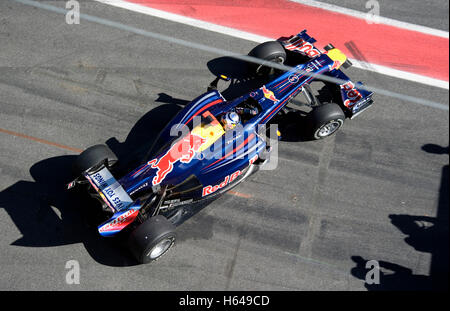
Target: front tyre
[269, 52]
[152, 239]
[325, 120]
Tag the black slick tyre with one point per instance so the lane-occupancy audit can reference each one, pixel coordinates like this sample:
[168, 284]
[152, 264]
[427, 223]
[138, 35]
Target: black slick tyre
[270, 52]
[93, 157]
[152, 239]
[325, 120]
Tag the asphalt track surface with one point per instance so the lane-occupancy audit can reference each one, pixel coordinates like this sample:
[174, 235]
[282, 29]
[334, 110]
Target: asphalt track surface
[433, 14]
[377, 190]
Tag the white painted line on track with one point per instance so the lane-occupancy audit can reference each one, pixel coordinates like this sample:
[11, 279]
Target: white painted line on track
[381, 19]
[185, 20]
[259, 39]
[206, 48]
[404, 75]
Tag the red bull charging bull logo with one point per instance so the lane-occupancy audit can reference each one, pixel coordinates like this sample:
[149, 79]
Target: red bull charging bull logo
[182, 150]
[269, 94]
[335, 65]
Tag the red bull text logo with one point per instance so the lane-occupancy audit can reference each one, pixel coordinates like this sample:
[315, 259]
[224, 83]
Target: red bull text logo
[228, 180]
[120, 222]
[182, 150]
[353, 95]
[303, 47]
[269, 94]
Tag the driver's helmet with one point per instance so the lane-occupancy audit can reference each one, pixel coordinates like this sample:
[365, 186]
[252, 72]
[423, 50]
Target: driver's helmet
[230, 120]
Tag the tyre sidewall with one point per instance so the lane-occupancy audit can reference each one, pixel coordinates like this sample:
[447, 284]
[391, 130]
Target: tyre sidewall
[148, 234]
[323, 115]
[145, 258]
[267, 51]
[316, 132]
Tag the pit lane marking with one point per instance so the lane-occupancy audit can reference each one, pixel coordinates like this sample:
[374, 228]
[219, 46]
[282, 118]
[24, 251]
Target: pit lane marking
[39, 140]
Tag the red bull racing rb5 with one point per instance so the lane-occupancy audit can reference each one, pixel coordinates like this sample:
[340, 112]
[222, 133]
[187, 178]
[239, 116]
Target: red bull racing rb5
[213, 144]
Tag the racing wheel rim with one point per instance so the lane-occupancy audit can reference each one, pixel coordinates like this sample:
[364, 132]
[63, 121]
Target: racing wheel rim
[159, 249]
[329, 128]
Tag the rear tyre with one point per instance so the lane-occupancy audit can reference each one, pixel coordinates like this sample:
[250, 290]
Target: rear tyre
[325, 120]
[152, 239]
[92, 158]
[270, 52]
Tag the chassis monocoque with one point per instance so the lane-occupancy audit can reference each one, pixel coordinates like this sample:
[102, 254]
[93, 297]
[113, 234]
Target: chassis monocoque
[199, 159]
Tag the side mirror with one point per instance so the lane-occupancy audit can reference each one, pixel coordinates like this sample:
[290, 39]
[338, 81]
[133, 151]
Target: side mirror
[213, 85]
[224, 78]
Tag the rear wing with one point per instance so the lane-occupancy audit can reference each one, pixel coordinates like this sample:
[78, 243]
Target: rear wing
[116, 198]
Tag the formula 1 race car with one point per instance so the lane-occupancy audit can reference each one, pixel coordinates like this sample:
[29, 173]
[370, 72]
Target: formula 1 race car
[208, 159]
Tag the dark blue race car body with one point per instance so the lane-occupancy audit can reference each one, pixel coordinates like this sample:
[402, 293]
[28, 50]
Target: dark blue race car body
[205, 160]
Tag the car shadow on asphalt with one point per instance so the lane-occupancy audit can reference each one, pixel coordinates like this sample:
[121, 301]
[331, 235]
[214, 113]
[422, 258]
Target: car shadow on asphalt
[48, 215]
[425, 234]
[142, 138]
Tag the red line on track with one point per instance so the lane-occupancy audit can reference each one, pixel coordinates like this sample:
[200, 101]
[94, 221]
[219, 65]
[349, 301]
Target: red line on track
[380, 44]
[240, 194]
[39, 140]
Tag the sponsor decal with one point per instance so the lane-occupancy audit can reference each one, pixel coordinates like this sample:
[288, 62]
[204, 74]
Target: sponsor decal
[110, 190]
[182, 150]
[335, 65]
[337, 57]
[269, 94]
[120, 222]
[313, 65]
[228, 180]
[99, 180]
[176, 202]
[353, 95]
[71, 185]
[303, 47]
[253, 160]
[139, 188]
[294, 78]
[361, 105]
